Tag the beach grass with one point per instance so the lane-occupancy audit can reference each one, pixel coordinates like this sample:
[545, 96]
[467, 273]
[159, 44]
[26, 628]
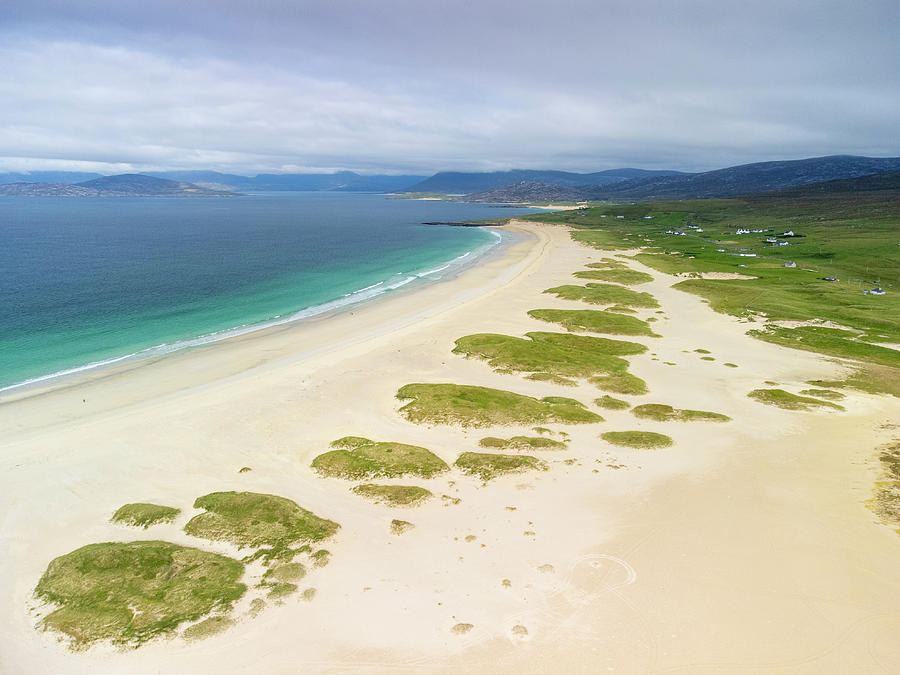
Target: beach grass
[256, 520]
[595, 321]
[552, 379]
[642, 440]
[783, 399]
[827, 394]
[144, 515]
[472, 406]
[356, 458]
[490, 465]
[522, 443]
[610, 403]
[561, 354]
[617, 276]
[831, 341]
[393, 495]
[604, 294]
[129, 593]
[620, 383]
[207, 628]
[869, 378]
[400, 526]
[666, 413]
[886, 500]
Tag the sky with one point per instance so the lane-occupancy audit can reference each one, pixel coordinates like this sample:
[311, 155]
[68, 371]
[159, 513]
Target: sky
[419, 86]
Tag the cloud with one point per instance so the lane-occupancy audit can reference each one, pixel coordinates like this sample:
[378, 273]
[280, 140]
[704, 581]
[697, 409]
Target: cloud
[420, 87]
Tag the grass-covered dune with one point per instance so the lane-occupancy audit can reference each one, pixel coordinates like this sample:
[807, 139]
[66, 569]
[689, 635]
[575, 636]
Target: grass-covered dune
[356, 458]
[666, 413]
[471, 406]
[393, 495]
[253, 520]
[788, 401]
[560, 354]
[617, 276]
[641, 440]
[605, 294]
[594, 321]
[129, 593]
[620, 383]
[144, 515]
[490, 465]
[522, 443]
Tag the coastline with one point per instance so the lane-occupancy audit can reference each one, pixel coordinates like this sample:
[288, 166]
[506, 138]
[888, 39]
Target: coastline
[745, 547]
[410, 283]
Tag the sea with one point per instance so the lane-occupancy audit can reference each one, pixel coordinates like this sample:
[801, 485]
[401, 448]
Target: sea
[86, 282]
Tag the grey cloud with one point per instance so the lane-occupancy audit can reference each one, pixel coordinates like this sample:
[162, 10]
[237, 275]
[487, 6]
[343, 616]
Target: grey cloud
[424, 86]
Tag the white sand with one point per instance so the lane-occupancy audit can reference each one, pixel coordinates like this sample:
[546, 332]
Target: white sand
[744, 548]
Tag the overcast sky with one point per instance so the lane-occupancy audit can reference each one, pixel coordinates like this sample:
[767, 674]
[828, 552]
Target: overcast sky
[417, 86]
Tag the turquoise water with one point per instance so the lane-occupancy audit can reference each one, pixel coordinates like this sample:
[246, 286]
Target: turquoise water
[87, 281]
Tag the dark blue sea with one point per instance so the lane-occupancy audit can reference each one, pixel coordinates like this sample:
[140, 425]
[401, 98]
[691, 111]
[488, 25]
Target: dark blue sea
[87, 281]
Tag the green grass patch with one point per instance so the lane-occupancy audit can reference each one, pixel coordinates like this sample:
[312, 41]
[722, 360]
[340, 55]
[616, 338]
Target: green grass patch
[788, 401]
[401, 526]
[869, 378]
[489, 465]
[393, 495]
[255, 520]
[129, 593]
[621, 309]
[552, 379]
[355, 458]
[144, 515]
[703, 351]
[561, 354]
[886, 500]
[730, 365]
[827, 394]
[610, 403]
[666, 413]
[207, 628]
[830, 341]
[522, 443]
[616, 276]
[604, 294]
[471, 406]
[620, 383]
[594, 321]
[642, 440]
[600, 240]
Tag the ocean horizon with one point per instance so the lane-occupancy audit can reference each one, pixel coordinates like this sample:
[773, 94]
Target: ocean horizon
[91, 281]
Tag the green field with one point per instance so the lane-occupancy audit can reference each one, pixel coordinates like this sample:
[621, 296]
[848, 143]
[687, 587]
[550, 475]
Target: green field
[355, 458]
[849, 236]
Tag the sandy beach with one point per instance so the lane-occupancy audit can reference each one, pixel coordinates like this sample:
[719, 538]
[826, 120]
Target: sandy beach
[746, 547]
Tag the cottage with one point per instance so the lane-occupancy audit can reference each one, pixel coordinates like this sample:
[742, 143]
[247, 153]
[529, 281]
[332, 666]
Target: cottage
[789, 233]
[741, 230]
[830, 279]
[876, 291]
[782, 243]
[790, 263]
[771, 240]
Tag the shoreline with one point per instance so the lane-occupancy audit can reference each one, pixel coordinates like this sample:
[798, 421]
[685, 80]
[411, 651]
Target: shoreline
[746, 546]
[73, 376]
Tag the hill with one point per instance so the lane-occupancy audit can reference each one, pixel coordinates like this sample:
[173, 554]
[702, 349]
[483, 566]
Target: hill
[527, 191]
[454, 182]
[880, 182]
[341, 181]
[124, 185]
[747, 178]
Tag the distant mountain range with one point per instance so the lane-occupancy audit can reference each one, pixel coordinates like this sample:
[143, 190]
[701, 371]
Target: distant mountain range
[735, 180]
[498, 186]
[124, 185]
[453, 182]
[342, 181]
